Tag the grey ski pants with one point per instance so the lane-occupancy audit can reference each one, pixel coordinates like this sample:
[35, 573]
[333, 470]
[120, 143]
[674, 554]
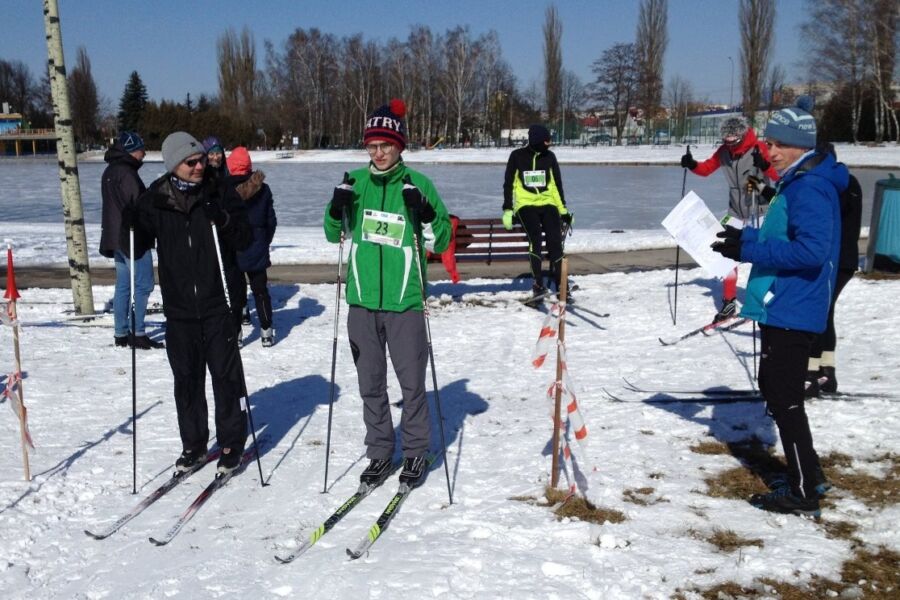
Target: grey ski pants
[404, 335]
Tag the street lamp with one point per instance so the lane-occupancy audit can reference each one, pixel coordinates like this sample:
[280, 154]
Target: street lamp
[731, 91]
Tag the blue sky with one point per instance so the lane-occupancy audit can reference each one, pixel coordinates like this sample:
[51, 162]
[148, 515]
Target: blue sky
[172, 44]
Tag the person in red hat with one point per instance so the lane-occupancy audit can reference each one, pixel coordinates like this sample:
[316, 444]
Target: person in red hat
[253, 261]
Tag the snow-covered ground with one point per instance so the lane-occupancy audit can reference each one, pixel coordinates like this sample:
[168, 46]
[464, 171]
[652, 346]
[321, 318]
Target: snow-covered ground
[497, 428]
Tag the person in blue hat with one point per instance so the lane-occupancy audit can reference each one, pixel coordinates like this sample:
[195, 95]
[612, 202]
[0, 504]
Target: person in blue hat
[121, 186]
[794, 254]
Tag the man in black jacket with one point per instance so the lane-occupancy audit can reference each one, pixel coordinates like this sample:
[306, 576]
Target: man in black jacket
[188, 212]
[120, 187]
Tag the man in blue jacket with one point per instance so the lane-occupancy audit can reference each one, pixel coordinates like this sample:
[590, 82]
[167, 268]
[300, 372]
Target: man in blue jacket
[794, 256]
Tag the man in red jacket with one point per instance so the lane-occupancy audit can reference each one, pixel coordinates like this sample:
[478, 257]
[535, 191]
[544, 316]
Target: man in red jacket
[740, 155]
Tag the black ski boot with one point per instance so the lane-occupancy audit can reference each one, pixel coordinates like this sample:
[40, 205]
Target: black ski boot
[538, 293]
[414, 470]
[812, 385]
[229, 460]
[728, 310]
[376, 472]
[827, 380]
[190, 459]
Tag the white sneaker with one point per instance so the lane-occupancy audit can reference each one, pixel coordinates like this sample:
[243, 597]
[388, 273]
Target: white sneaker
[268, 337]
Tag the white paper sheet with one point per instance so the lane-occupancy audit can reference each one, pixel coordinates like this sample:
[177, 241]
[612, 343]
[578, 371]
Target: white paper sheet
[694, 228]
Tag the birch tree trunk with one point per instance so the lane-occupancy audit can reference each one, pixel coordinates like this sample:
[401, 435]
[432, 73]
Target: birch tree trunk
[73, 216]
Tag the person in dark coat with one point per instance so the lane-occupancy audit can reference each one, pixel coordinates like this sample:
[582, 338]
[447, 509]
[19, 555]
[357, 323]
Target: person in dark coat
[198, 223]
[121, 185]
[253, 262]
[820, 373]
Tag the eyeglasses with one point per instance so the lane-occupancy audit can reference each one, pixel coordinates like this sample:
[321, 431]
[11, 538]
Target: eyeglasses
[385, 148]
[193, 162]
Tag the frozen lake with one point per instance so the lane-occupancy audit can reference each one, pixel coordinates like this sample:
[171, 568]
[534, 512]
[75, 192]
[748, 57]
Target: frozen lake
[602, 197]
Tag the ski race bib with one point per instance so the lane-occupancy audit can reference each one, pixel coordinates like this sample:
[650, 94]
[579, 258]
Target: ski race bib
[383, 228]
[535, 178]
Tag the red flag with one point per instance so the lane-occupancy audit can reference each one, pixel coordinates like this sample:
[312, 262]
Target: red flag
[11, 292]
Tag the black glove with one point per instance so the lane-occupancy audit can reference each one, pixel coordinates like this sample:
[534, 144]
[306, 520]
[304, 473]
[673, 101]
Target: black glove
[415, 202]
[342, 199]
[214, 212]
[755, 184]
[730, 246]
[688, 162]
[566, 218]
[759, 162]
[128, 216]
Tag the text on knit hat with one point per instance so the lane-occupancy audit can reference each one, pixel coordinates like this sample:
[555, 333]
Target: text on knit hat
[386, 123]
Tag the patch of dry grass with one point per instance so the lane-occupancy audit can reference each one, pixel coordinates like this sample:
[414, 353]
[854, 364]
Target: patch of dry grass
[579, 508]
[641, 496]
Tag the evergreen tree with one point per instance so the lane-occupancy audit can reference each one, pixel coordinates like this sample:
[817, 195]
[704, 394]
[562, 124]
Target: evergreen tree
[133, 103]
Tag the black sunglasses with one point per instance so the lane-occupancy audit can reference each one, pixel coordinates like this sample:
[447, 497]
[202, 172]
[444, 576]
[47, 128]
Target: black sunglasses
[193, 161]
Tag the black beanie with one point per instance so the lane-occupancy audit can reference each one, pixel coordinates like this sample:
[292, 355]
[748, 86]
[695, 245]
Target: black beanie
[386, 123]
[537, 135]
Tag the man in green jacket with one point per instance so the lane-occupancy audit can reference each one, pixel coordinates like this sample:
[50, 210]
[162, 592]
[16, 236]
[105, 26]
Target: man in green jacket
[392, 213]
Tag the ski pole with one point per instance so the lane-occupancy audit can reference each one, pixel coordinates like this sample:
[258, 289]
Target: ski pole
[437, 396]
[133, 367]
[345, 226]
[756, 216]
[678, 248]
[244, 400]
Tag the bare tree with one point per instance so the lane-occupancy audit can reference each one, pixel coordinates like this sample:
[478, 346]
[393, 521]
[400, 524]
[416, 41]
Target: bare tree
[238, 78]
[679, 97]
[651, 43]
[572, 99]
[552, 62]
[756, 19]
[775, 88]
[84, 99]
[17, 86]
[616, 83]
[424, 52]
[461, 56]
[881, 27]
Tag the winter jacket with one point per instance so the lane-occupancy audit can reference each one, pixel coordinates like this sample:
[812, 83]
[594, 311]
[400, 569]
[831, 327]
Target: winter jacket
[385, 276]
[189, 274]
[795, 252]
[260, 207]
[120, 186]
[738, 163]
[533, 179]
[851, 220]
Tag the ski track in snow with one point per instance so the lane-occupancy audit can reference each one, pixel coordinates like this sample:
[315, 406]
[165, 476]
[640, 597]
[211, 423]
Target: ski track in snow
[497, 428]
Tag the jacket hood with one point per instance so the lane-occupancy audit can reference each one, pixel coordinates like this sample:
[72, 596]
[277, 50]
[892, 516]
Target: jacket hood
[116, 153]
[822, 165]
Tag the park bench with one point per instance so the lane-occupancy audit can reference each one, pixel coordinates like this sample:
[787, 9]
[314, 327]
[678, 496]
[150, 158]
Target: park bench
[487, 240]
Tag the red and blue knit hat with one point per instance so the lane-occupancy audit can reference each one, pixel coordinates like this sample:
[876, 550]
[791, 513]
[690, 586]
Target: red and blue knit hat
[386, 124]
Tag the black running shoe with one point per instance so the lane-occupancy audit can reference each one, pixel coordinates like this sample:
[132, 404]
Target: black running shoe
[376, 472]
[229, 460]
[142, 342]
[782, 500]
[414, 470]
[190, 459]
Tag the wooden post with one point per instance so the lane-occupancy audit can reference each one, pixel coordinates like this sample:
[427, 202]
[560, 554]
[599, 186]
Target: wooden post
[11, 295]
[561, 338]
[73, 216]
